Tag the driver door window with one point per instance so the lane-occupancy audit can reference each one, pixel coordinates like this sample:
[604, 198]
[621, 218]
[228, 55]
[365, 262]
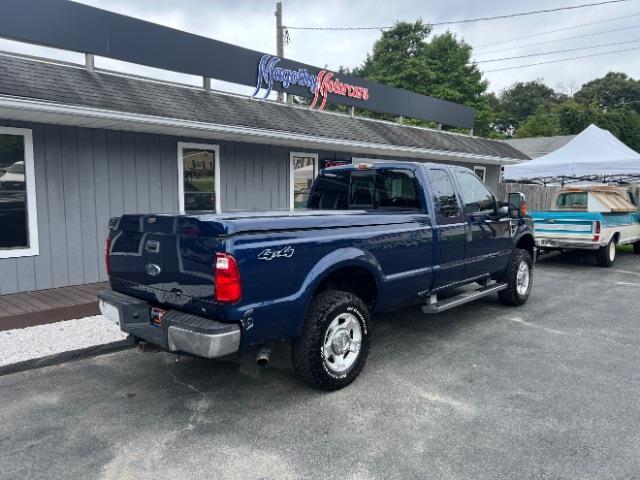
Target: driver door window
[477, 198]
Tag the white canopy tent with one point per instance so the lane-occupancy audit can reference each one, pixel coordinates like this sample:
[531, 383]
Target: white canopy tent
[593, 155]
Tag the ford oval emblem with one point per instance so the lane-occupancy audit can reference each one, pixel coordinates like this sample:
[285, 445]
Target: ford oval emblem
[152, 269]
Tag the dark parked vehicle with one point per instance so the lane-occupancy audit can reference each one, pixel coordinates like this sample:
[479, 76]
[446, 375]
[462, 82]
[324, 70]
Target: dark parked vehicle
[375, 237]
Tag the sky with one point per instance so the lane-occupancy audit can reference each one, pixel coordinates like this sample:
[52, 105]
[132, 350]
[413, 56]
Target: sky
[251, 24]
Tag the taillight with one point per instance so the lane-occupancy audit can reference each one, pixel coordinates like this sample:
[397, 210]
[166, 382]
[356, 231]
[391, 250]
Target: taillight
[107, 260]
[523, 208]
[597, 229]
[228, 288]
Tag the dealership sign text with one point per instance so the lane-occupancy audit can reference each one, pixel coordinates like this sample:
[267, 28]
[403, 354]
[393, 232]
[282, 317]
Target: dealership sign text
[320, 85]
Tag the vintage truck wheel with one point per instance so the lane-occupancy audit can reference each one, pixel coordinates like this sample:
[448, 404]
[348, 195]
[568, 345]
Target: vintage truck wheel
[636, 247]
[334, 344]
[606, 255]
[519, 279]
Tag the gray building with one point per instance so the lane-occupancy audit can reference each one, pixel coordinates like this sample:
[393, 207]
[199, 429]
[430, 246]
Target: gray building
[539, 146]
[79, 146]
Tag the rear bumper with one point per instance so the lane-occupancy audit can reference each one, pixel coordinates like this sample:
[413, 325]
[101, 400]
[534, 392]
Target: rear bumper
[552, 243]
[177, 332]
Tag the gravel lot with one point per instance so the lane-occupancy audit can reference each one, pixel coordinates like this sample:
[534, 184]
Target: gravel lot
[44, 340]
[547, 391]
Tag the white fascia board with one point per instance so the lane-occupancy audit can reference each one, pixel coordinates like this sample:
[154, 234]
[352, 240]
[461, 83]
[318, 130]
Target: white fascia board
[102, 118]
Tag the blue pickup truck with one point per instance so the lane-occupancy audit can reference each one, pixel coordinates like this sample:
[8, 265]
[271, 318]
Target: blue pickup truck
[375, 237]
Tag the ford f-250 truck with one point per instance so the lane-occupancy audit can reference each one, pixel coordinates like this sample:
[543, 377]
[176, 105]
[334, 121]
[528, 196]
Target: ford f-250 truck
[375, 237]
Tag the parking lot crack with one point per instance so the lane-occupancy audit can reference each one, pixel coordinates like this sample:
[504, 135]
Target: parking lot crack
[198, 407]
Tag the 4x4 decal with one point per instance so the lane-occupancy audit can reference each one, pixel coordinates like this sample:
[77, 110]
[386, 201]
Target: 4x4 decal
[269, 254]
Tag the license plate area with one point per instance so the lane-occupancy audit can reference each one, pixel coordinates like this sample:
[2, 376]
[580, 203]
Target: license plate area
[156, 316]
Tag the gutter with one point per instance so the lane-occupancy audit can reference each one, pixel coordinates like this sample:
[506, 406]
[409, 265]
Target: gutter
[21, 104]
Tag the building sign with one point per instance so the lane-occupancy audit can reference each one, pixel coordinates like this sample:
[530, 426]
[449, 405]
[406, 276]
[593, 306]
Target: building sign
[320, 85]
[333, 163]
[81, 28]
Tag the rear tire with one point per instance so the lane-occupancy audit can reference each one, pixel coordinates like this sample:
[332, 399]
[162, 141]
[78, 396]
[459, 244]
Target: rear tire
[606, 255]
[636, 248]
[519, 279]
[334, 344]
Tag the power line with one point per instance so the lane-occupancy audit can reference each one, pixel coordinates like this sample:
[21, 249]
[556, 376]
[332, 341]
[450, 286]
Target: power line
[548, 32]
[471, 20]
[563, 60]
[559, 51]
[555, 41]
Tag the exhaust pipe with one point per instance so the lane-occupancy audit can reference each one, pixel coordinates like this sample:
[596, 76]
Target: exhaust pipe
[264, 352]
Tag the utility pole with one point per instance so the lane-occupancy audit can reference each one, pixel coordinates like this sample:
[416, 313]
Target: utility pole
[279, 43]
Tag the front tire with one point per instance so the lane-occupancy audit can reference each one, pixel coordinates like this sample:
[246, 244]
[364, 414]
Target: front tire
[606, 255]
[519, 279]
[334, 344]
[636, 248]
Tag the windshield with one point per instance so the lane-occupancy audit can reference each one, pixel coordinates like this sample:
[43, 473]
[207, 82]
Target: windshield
[365, 190]
[17, 167]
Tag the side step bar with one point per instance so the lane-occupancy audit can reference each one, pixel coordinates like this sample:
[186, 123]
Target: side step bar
[436, 307]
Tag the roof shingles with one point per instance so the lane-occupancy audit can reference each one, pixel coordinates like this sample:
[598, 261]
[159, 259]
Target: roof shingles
[21, 77]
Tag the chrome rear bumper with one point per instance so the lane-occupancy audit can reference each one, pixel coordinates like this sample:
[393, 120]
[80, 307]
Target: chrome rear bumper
[176, 332]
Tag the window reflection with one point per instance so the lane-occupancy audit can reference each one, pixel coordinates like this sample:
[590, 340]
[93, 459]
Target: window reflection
[445, 193]
[13, 199]
[199, 174]
[304, 171]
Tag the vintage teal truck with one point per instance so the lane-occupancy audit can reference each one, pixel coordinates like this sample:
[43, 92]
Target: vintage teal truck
[597, 218]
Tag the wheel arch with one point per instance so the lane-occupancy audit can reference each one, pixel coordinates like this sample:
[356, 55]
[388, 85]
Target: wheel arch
[352, 269]
[526, 242]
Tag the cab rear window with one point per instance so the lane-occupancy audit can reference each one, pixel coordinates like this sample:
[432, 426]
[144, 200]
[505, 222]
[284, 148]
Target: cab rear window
[393, 189]
[572, 200]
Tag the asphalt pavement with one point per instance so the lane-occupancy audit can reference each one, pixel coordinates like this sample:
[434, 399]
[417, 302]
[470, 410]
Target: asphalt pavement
[550, 390]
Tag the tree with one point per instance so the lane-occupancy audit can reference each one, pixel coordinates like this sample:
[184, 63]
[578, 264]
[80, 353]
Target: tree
[522, 100]
[611, 91]
[542, 124]
[440, 67]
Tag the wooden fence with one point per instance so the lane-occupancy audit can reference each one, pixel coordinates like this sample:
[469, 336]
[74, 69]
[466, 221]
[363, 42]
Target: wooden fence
[538, 196]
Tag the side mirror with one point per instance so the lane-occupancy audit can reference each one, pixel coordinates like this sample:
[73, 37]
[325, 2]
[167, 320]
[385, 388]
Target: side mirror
[517, 205]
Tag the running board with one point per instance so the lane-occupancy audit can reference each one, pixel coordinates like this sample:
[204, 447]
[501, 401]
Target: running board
[436, 307]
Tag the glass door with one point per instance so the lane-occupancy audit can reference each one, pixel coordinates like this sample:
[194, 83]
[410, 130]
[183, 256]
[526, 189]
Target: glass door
[304, 168]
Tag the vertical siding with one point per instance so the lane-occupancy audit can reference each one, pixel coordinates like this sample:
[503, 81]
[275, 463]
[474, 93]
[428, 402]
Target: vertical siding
[83, 178]
[101, 194]
[88, 214]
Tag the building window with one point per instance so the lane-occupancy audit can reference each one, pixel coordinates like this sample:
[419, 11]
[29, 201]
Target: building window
[18, 216]
[481, 172]
[198, 177]
[303, 168]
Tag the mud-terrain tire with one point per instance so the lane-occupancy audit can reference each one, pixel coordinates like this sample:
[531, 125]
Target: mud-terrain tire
[606, 256]
[519, 279]
[336, 324]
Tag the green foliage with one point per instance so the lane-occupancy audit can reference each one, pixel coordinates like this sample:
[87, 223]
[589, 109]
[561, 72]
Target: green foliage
[440, 67]
[611, 91]
[571, 118]
[542, 124]
[521, 101]
[408, 57]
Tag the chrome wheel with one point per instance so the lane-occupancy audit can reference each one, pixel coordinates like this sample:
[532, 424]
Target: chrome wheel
[342, 343]
[612, 251]
[523, 278]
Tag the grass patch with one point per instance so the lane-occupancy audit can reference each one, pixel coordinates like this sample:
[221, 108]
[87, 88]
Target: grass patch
[625, 248]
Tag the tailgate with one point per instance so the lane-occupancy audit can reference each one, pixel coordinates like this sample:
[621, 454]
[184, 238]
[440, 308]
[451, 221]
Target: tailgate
[166, 259]
[564, 224]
